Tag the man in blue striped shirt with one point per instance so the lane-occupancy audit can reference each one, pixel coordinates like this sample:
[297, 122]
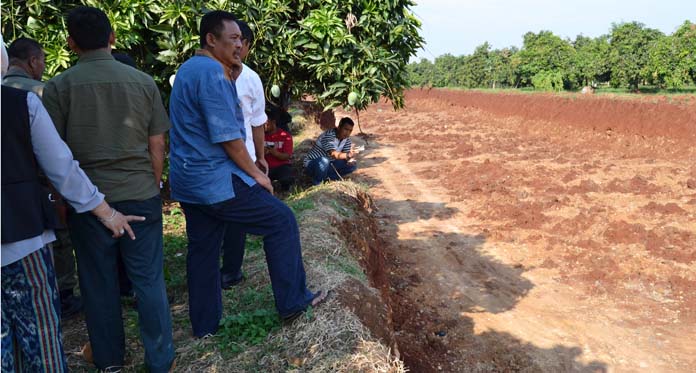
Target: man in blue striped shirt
[332, 156]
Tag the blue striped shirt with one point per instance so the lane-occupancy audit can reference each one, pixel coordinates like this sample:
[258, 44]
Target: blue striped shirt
[326, 143]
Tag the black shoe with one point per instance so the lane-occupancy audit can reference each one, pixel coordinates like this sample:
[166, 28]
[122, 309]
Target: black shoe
[228, 281]
[70, 306]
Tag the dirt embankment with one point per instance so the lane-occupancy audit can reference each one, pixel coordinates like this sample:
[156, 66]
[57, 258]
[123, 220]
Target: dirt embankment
[671, 117]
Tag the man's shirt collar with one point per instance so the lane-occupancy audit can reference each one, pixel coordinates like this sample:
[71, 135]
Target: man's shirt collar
[205, 53]
[17, 71]
[95, 55]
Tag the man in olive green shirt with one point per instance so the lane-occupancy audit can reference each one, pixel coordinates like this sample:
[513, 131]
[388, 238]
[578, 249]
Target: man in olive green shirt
[112, 118]
[27, 64]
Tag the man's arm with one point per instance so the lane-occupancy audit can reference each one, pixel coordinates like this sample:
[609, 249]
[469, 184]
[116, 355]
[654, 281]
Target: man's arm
[258, 135]
[279, 154]
[156, 145]
[258, 119]
[237, 152]
[342, 153]
[335, 154]
[157, 129]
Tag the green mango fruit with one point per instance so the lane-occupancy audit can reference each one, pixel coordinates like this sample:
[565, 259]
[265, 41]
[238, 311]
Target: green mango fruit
[275, 90]
[352, 98]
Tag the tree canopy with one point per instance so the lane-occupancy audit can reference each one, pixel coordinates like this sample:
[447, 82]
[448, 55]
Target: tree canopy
[672, 60]
[326, 49]
[629, 55]
[629, 52]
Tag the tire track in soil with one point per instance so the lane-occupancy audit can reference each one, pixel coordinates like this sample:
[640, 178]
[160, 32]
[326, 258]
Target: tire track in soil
[503, 257]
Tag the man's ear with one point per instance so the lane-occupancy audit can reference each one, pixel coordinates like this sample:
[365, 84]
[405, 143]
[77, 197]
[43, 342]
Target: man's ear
[210, 39]
[33, 62]
[112, 38]
[72, 45]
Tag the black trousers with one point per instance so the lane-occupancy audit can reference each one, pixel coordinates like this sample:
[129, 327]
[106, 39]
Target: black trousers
[283, 174]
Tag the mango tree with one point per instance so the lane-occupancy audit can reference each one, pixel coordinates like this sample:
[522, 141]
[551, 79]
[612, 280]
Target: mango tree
[326, 49]
[672, 61]
[343, 53]
[544, 57]
[629, 50]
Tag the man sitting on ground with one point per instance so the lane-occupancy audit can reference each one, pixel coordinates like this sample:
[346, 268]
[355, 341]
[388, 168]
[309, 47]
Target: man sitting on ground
[278, 149]
[332, 156]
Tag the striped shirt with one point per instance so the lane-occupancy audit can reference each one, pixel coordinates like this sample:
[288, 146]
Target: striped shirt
[326, 143]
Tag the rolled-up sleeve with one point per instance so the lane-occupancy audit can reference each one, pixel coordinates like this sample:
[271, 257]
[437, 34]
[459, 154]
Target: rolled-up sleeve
[216, 100]
[258, 106]
[56, 160]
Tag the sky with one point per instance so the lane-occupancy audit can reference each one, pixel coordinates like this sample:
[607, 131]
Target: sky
[458, 26]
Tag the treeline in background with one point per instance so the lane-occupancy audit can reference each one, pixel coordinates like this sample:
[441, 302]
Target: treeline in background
[631, 55]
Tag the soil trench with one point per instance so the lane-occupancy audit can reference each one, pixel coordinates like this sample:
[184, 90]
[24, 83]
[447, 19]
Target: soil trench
[536, 239]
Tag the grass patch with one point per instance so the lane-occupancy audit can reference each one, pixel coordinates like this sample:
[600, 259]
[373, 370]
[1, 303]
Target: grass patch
[347, 266]
[300, 205]
[251, 323]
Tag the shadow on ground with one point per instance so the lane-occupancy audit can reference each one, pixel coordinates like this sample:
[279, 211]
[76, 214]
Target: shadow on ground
[435, 277]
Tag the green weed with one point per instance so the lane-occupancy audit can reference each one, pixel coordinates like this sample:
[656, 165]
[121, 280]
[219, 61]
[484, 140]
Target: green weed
[254, 244]
[345, 265]
[254, 320]
[300, 205]
[175, 261]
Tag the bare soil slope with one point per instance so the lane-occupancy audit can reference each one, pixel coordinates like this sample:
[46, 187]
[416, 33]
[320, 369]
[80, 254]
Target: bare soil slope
[537, 232]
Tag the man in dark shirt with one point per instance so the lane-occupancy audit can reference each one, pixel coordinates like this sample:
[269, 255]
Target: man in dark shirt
[112, 118]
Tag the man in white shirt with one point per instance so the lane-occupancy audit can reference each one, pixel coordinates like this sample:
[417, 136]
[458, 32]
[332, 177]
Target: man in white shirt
[253, 102]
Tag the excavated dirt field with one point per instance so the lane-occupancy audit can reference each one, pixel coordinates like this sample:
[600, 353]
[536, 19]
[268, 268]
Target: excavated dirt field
[537, 232]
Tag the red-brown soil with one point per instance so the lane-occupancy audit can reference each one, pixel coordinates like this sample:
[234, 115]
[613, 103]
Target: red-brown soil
[529, 232]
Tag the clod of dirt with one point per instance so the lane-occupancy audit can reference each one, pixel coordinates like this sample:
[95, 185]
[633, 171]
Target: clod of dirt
[691, 183]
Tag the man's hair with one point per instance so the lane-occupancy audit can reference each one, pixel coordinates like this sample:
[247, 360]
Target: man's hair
[213, 23]
[24, 48]
[89, 28]
[345, 121]
[273, 114]
[247, 33]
